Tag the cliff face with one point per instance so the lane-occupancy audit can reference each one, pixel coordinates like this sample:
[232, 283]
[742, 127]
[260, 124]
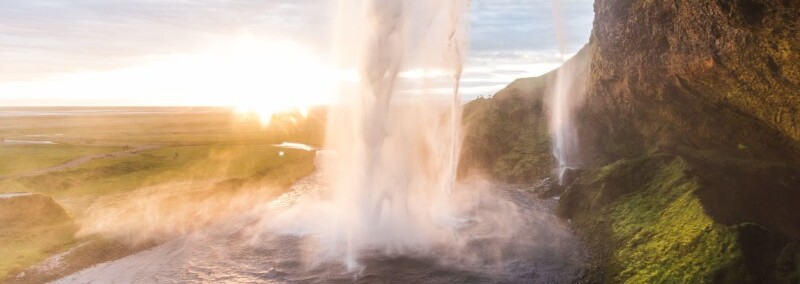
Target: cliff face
[721, 75]
[715, 81]
[689, 139]
[704, 96]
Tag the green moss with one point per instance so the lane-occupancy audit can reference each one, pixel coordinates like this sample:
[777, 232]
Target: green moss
[647, 215]
[664, 235]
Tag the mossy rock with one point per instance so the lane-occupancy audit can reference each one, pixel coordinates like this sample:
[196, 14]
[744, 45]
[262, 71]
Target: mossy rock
[647, 222]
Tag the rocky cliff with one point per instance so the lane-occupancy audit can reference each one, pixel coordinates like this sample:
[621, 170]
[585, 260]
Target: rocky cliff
[690, 141]
[703, 69]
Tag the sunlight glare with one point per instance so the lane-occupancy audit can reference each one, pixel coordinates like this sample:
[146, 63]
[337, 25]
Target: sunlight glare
[253, 75]
[276, 77]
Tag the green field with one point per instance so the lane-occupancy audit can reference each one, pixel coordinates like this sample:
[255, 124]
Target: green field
[25, 158]
[194, 157]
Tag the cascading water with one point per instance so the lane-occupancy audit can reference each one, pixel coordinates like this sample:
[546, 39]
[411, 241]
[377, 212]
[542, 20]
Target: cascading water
[564, 134]
[396, 151]
[566, 93]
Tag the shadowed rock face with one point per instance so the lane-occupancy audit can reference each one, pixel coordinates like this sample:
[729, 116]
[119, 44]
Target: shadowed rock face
[721, 75]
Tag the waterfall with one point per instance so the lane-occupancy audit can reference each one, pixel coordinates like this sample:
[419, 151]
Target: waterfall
[395, 137]
[566, 95]
[561, 123]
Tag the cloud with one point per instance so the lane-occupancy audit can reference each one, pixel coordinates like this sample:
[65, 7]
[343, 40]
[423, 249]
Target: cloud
[41, 39]
[499, 25]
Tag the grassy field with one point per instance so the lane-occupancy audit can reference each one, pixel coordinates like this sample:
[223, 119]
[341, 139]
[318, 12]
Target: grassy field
[78, 187]
[200, 160]
[18, 158]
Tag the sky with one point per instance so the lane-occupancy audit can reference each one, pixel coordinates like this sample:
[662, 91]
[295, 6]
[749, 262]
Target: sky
[192, 52]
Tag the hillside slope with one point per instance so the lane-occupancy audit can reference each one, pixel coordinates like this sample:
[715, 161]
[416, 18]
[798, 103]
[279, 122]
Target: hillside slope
[507, 135]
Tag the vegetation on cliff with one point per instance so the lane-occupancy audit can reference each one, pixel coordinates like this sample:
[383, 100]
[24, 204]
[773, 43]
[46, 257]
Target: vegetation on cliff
[507, 135]
[646, 219]
[650, 224]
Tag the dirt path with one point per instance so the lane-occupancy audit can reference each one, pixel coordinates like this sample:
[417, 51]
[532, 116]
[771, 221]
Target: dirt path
[82, 160]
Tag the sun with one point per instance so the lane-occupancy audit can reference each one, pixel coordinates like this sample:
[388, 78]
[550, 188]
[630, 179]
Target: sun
[266, 77]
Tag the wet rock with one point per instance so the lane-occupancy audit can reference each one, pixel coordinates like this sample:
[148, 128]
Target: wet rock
[547, 188]
[550, 187]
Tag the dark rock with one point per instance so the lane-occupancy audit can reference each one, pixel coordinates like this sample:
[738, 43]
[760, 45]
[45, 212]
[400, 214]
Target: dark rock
[547, 188]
